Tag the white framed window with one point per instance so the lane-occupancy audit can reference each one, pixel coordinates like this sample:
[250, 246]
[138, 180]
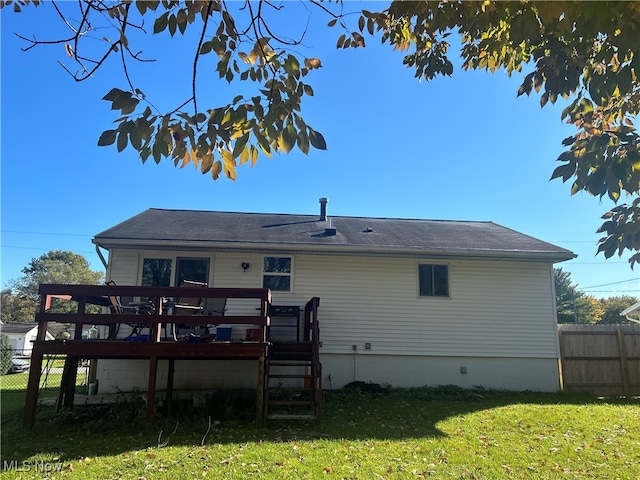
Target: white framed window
[276, 273]
[167, 271]
[433, 280]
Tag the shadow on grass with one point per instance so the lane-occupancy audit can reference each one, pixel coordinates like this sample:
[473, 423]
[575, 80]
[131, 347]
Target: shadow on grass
[229, 417]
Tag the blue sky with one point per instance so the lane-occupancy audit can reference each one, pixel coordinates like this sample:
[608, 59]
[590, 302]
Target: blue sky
[462, 148]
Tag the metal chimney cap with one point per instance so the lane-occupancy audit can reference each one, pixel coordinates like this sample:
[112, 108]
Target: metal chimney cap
[323, 208]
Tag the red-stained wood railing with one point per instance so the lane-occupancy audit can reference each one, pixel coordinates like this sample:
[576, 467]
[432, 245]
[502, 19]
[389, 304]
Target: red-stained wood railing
[153, 349]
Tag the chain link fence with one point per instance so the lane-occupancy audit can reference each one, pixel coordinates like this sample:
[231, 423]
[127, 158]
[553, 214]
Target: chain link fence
[16, 365]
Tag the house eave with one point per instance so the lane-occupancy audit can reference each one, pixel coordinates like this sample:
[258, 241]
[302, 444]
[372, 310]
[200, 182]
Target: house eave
[347, 250]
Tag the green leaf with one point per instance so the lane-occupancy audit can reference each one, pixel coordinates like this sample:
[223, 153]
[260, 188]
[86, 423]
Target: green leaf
[596, 182]
[564, 171]
[244, 155]
[129, 106]
[291, 65]
[575, 188]
[317, 140]
[161, 22]
[288, 138]
[135, 138]
[113, 94]
[122, 141]
[107, 138]
[239, 146]
[253, 154]
[303, 142]
[173, 24]
[205, 48]
[263, 142]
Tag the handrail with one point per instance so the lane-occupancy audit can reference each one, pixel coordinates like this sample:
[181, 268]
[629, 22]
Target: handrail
[99, 294]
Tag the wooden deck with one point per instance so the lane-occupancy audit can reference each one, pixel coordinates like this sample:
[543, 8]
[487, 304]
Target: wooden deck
[159, 345]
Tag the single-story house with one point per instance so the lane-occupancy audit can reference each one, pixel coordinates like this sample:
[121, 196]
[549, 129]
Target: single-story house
[405, 302]
[21, 336]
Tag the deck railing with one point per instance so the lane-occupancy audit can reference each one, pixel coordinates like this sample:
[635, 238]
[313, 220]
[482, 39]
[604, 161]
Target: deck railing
[158, 300]
[159, 306]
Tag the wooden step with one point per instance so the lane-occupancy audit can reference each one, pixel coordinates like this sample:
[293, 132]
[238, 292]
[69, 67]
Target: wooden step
[282, 375]
[305, 403]
[289, 363]
[301, 357]
[284, 416]
[291, 389]
[297, 348]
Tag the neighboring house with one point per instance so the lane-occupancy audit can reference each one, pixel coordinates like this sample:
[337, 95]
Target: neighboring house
[632, 313]
[404, 302]
[21, 336]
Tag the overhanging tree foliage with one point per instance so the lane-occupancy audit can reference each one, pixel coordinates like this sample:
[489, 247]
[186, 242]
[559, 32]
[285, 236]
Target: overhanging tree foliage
[588, 51]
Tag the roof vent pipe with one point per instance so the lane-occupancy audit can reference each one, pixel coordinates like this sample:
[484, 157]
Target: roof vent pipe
[323, 208]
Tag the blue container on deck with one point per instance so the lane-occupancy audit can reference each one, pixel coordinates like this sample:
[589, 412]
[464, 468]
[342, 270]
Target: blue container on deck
[223, 333]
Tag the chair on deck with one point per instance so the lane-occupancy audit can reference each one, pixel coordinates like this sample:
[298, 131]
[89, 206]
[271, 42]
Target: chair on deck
[215, 307]
[122, 306]
[187, 306]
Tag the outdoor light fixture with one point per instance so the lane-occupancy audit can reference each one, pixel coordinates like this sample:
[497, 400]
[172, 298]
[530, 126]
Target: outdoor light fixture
[245, 266]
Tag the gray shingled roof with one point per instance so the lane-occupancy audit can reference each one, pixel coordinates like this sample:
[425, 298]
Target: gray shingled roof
[17, 327]
[191, 229]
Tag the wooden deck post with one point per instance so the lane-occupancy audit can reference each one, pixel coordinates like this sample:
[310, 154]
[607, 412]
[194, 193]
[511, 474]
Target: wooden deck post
[260, 393]
[71, 370]
[151, 388]
[63, 384]
[31, 401]
[170, 374]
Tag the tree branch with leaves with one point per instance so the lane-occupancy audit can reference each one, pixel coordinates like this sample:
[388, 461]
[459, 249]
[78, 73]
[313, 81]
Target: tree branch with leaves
[586, 52]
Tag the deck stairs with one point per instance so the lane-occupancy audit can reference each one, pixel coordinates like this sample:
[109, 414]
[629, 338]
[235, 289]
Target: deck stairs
[293, 374]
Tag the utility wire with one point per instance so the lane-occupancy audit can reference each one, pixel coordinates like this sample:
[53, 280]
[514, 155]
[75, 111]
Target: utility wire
[43, 249]
[48, 233]
[612, 283]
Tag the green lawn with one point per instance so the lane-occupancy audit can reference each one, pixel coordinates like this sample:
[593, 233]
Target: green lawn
[418, 433]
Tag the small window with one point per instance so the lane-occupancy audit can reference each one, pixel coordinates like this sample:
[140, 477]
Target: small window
[276, 273]
[433, 280]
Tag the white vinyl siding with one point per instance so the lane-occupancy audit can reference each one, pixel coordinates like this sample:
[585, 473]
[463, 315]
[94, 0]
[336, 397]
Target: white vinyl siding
[123, 267]
[498, 320]
[494, 308]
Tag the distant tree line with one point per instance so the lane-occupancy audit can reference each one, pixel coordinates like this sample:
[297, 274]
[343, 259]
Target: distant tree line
[20, 300]
[575, 306]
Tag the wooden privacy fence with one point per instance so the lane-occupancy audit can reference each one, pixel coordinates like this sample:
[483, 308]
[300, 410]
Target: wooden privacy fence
[600, 359]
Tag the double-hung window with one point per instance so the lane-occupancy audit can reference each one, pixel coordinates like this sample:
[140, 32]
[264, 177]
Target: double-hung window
[433, 280]
[276, 273]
